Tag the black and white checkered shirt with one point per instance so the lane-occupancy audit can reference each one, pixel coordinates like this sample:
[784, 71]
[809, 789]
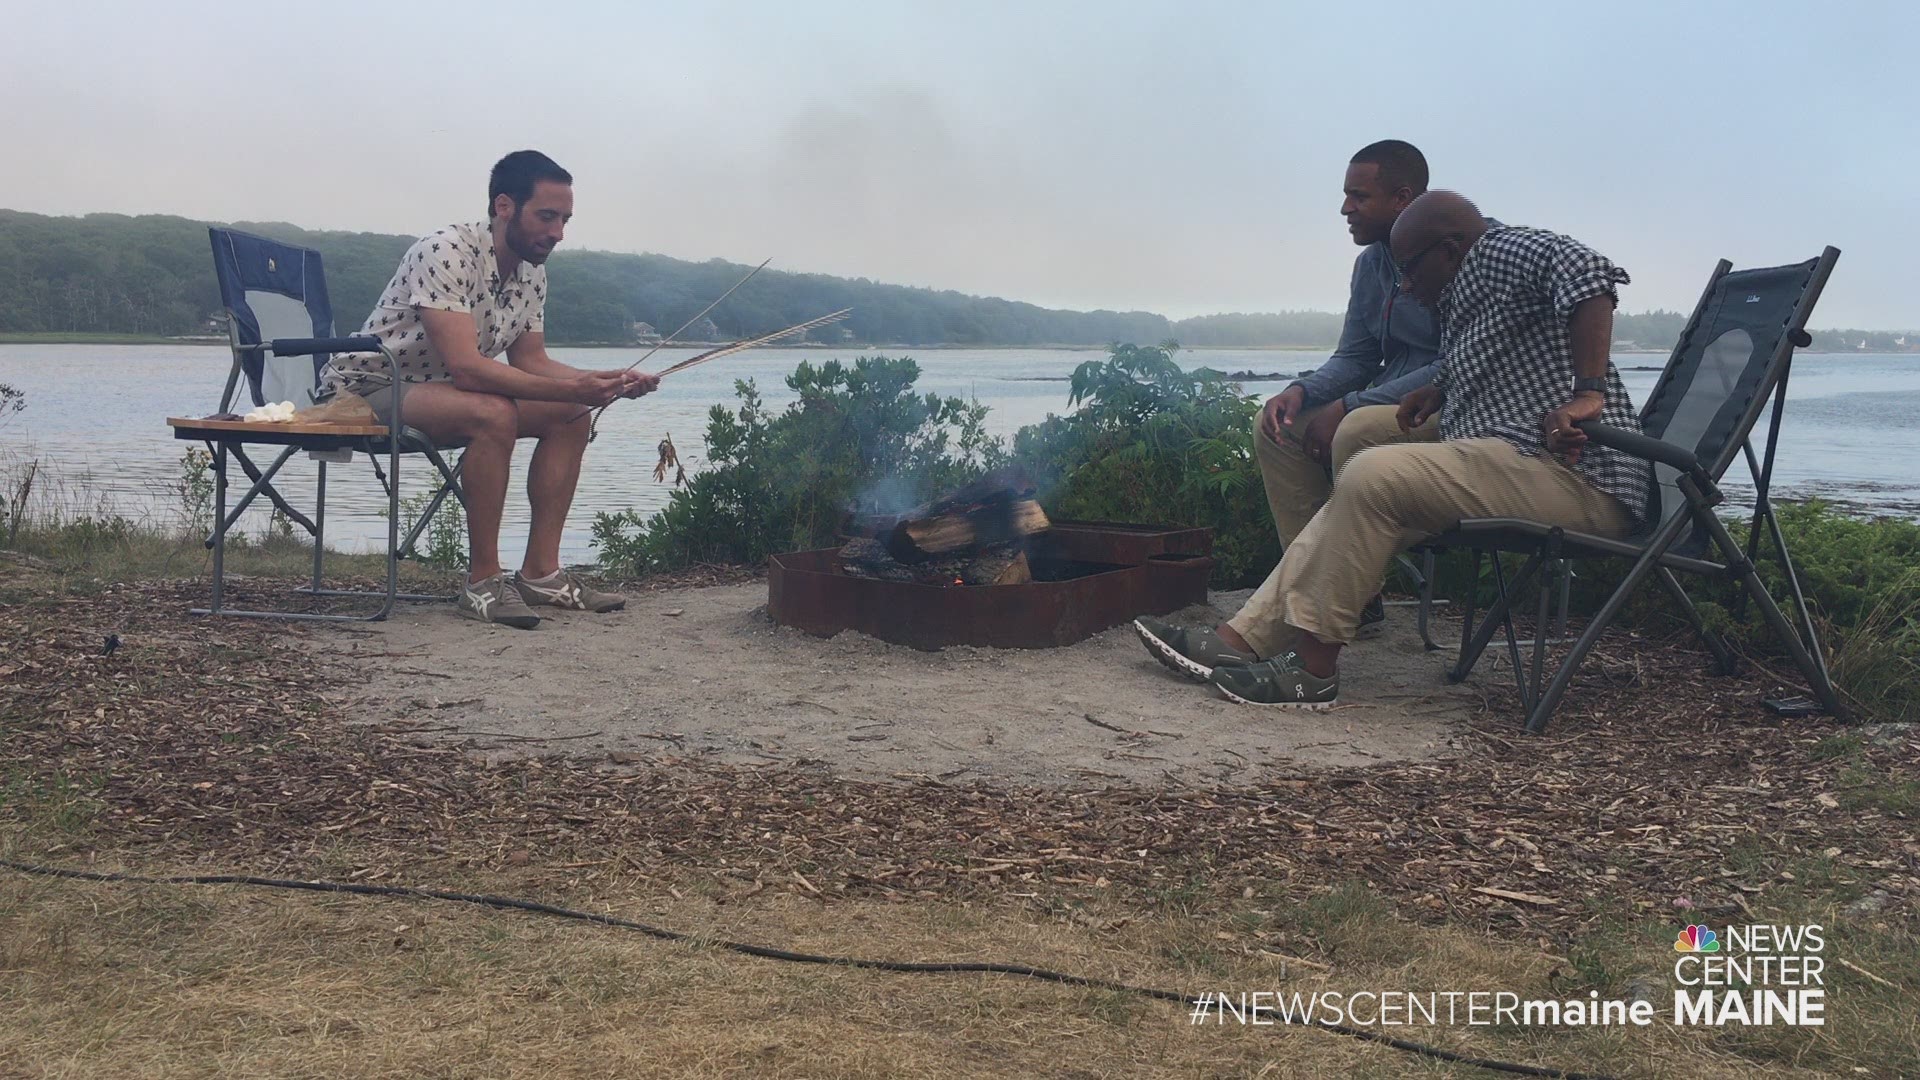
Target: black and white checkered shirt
[1507, 355]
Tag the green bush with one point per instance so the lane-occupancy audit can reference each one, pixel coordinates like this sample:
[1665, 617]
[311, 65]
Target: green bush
[1151, 442]
[781, 482]
[446, 534]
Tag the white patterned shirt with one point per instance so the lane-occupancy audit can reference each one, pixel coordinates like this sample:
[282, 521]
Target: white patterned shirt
[454, 269]
[1507, 353]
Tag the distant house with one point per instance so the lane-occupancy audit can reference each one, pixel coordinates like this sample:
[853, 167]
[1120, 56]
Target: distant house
[703, 330]
[643, 333]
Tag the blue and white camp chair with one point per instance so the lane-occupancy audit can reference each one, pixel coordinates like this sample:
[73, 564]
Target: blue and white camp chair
[280, 326]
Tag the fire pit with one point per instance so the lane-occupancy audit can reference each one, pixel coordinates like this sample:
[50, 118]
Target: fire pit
[1085, 576]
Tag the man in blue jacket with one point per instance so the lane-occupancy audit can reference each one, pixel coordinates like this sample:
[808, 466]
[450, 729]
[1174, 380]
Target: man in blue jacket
[1308, 431]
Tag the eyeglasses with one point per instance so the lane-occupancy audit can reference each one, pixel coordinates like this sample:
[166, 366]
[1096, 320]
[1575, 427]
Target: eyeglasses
[1406, 268]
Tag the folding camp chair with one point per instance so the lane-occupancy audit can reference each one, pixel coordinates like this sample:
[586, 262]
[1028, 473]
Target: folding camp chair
[1734, 355]
[280, 326]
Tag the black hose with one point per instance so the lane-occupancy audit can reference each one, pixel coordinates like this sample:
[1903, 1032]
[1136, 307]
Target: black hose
[511, 904]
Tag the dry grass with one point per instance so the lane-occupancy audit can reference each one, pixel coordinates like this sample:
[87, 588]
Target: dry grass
[133, 980]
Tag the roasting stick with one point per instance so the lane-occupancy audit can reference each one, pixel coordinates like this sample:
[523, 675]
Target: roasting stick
[593, 426]
[665, 341]
[593, 430]
[741, 346]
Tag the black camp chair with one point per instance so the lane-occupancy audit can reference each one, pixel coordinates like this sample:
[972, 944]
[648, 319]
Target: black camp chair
[280, 323]
[1734, 356]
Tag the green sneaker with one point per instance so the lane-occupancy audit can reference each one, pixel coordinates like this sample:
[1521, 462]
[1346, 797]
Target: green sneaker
[495, 600]
[1192, 651]
[1280, 682]
[563, 590]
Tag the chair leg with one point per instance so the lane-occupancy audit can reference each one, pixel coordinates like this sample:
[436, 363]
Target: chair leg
[1542, 610]
[393, 530]
[1724, 662]
[319, 524]
[1466, 619]
[1801, 651]
[1470, 651]
[1427, 600]
[1566, 597]
[1799, 597]
[1543, 708]
[219, 529]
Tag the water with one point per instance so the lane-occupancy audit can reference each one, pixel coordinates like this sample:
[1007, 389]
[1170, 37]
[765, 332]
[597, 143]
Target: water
[95, 418]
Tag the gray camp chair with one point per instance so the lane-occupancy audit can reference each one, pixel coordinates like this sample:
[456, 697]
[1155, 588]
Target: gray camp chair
[280, 325]
[1730, 362]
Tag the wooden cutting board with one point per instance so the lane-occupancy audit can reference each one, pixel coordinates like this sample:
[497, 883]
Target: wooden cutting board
[180, 423]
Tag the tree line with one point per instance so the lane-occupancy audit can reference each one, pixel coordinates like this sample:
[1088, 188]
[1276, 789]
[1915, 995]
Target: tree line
[151, 275]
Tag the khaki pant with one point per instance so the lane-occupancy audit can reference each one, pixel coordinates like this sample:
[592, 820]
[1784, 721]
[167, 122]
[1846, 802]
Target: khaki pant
[1297, 486]
[1391, 497]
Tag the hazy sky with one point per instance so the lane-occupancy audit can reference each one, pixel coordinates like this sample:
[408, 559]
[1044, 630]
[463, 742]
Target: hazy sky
[1182, 158]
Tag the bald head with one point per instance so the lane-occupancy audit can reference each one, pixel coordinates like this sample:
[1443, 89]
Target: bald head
[1431, 238]
[1432, 216]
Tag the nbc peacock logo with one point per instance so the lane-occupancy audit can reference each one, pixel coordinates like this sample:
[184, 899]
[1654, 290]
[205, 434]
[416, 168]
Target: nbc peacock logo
[1697, 939]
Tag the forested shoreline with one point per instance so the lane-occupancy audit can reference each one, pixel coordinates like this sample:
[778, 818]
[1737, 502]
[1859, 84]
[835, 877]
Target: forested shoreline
[150, 276]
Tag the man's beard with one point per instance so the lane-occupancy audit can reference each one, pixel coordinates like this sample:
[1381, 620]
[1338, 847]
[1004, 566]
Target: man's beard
[523, 249]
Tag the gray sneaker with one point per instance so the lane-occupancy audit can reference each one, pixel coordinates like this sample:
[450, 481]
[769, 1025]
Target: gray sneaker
[1192, 651]
[1280, 682]
[569, 592]
[495, 600]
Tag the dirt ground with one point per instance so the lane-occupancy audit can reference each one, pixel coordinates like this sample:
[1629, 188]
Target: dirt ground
[703, 673]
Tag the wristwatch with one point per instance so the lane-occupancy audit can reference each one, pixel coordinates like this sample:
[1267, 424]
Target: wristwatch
[1597, 385]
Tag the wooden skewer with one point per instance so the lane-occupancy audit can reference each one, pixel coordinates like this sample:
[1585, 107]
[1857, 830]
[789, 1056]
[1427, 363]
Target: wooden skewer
[741, 346]
[593, 427]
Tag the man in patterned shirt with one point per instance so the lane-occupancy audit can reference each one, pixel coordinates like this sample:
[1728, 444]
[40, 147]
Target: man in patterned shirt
[1526, 317]
[460, 298]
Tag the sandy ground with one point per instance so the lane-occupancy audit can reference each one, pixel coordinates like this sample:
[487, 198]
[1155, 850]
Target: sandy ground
[705, 674]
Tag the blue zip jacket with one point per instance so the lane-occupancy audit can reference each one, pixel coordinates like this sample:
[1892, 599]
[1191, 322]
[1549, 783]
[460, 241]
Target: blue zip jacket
[1387, 347]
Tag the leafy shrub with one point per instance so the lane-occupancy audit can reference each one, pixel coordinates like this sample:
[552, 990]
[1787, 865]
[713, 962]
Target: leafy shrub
[778, 482]
[446, 534]
[1152, 442]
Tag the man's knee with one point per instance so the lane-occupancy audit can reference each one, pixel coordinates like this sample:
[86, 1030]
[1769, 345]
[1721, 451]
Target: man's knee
[561, 421]
[494, 417]
[1367, 426]
[1384, 478]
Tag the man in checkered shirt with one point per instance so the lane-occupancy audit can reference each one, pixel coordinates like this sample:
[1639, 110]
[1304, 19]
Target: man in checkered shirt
[1526, 320]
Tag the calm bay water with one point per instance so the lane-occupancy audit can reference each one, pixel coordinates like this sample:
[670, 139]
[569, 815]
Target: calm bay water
[95, 419]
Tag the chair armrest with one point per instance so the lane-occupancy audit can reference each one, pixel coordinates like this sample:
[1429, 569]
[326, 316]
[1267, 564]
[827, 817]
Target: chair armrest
[309, 346]
[1656, 450]
[1640, 446]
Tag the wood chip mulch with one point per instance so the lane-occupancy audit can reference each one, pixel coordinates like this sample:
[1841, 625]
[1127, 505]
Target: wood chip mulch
[225, 743]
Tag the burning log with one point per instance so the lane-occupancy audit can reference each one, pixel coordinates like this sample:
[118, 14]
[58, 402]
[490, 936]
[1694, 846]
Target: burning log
[996, 509]
[976, 535]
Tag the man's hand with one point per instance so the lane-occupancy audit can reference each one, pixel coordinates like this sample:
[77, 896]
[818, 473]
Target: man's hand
[1280, 410]
[1563, 437]
[640, 384]
[596, 388]
[1418, 407]
[1319, 434]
